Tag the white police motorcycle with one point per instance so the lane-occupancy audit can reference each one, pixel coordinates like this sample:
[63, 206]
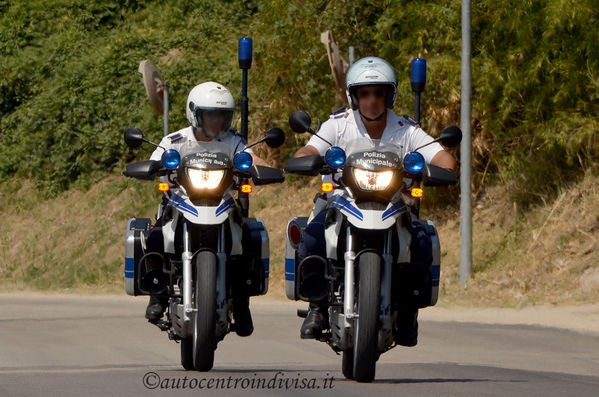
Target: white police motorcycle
[367, 273]
[210, 252]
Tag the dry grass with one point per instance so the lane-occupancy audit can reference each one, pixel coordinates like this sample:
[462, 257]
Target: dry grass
[73, 241]
[549, 254]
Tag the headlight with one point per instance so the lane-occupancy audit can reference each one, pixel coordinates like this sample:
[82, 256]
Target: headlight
[205, 179]
[371, 180]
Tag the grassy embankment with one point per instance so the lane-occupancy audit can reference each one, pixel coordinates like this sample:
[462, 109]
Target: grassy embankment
[75, 242]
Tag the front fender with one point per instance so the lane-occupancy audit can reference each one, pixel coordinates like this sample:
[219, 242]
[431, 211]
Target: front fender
[203, 215]
[369, 219]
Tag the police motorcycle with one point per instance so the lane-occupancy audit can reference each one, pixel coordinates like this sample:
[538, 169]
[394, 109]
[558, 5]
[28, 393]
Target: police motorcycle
[366, 275]
[210, 252]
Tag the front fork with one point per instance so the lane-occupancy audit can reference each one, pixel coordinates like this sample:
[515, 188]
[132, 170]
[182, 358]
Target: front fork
[385, 304]
[348, 293]
[221, 291]
[221, 287]
[187, 277]
[385, 310]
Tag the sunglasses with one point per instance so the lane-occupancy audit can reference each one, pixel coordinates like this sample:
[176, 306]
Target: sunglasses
[378, 92]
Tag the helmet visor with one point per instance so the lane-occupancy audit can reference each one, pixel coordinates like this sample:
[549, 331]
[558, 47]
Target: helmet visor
[365, 91]
[213, 122]
[362, 91]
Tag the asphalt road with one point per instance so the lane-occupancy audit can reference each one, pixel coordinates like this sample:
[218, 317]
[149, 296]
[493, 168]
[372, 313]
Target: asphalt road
[57, 345]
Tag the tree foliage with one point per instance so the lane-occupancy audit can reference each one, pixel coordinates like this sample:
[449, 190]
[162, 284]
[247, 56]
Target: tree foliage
[69, 84]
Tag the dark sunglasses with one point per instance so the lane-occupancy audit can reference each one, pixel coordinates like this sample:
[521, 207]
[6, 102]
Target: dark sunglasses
[378, 92]
[209, 114]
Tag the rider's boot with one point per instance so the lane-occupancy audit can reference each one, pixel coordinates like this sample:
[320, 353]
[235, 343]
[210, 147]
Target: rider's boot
[407, 328]
[156, 308]
[244, 325]
[315, 321]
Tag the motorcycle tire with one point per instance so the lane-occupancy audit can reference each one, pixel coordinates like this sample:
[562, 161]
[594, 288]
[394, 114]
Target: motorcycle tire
[204, 335]
[366, 335]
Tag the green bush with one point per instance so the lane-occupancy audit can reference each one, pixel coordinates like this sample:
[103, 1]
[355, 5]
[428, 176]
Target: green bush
[69, 84]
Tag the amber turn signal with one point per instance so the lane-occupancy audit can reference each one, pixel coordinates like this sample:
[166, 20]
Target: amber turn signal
[417, 192]
[326, 187]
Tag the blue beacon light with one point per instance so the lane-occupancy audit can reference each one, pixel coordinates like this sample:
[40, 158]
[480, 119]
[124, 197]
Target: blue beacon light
[335, 157]
[242, 161]
[413, 162]
[245, 52]
[171, 159]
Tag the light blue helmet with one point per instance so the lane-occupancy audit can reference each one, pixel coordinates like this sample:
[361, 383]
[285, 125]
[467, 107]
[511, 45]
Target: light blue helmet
[370, 71]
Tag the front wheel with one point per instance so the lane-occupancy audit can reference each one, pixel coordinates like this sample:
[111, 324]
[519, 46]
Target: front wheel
[204, 333]
[366, 334]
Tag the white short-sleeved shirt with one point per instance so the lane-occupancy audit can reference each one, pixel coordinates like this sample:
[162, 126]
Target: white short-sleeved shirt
[176, 140]
[342, 128]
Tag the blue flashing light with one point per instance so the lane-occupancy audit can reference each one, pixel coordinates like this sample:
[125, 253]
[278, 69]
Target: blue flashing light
[418, 70]
[242, 161]
[171, 159]
[335, 157]
[413, 162]
[245, 49]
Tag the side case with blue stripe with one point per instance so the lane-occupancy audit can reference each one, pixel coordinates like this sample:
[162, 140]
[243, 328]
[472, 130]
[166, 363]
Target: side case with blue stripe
[134, 250]
[436, 265]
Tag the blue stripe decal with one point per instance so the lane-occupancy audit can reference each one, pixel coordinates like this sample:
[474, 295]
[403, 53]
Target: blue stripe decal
[129, 264]
[266, 263]
[289, 269]
[436, 273]
[343, 204]
[350, 209]
[394, 209]
[225, 206]
[179, 202]
[129, 268]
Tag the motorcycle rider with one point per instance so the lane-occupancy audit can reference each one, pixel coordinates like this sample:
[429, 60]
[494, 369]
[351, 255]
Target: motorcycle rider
[210, 109]
[371, 88]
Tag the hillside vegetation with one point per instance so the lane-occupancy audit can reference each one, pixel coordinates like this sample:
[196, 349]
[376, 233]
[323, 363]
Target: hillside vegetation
[75, 241]
[69, 87]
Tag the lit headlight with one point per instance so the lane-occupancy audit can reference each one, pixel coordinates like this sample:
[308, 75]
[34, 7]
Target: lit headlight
[205, 179]
[371, 180]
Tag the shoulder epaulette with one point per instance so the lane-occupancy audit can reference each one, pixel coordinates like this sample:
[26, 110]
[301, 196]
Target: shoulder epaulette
[337, 113]
[411, 121]
[175, 137]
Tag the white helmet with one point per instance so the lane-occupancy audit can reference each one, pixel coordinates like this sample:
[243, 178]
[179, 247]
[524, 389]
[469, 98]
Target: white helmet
[207, 101]
[370, 71]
